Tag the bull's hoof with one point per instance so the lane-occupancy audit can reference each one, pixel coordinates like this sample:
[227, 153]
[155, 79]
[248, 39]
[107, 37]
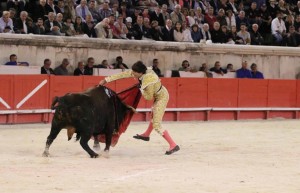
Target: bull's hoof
[94, 156]
[105, 154]
[96, 147]
[46, 154]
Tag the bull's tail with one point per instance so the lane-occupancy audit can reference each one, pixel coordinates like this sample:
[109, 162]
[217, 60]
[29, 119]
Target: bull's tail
[54, 102]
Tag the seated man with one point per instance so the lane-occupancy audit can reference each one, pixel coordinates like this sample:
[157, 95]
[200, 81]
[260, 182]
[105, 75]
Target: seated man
[119, 63]
[204, 68]
[13, 61]
[104, 64]
[45, 69]
[185, 66]
[217, 69]
[255, 73]
[89, 67]
[80, 69]
[155, 68]
[243, 72]
[62, 69]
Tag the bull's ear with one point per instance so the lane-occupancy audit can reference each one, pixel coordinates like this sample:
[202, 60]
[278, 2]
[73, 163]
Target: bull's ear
[131, 108]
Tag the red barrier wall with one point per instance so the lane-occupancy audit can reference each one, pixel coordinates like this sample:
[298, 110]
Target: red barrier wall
[231, 97]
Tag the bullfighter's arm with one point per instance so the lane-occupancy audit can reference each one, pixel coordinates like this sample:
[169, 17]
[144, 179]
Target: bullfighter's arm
[125, 74]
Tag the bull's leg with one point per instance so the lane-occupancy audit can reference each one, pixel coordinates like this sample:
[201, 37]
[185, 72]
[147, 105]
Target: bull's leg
[84, 144]
[96, 143]
[108, 137]
[53, 134]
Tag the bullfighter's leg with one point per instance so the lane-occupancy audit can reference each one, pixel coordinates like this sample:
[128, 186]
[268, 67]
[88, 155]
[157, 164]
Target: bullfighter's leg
[159, 107]
[53, 134]
[146, 134]
[84, 144]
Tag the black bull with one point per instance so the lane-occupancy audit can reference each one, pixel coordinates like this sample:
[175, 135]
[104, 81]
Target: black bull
[97, 111]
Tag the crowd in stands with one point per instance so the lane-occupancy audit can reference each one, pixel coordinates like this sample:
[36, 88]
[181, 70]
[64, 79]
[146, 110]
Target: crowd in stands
[251, 22]
[88, 67]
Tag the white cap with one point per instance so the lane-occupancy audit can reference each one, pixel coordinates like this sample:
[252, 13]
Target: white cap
[129, 19]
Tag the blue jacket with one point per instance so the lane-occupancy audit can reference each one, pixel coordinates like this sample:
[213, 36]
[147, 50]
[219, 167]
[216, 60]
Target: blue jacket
[243, 73]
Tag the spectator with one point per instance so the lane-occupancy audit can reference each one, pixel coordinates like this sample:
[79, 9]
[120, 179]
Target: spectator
[168, 31]
[124, 11]
[41, 11]
[231, 5]
[289, 21]
[61, 5]
[256, 38]
[165, 13]
[105, 11]
[12, 14]
[278, 29]
[39, 28]
[155, 67]
[297, 9]
[178, 35]
[19, 5]
[226, 34]
[69, 10]
[63, 28]
[217, 36]
[210, 19]
[241, 19]
[130, 34]
[297, 23]
[82, 10]
[79, 71]
[255, 73]
[13, 61]
[96, 17]
[196, 34]
[89, 67]
[217, 69]
[114, 9]
[221, 17]
[253, 14]
[89, 27]
[273, 8]
[46, 69]
[176, 15]
[103, 30]
[51, 7]
[156, 15]
[205, 33]
[229, 68]
[62, 68]
[243, 72]
[5, 21]
[155, 31]
[121, 28]
[234, 37]
[187, 37]
[104, 64]
[147, 28]
[52, 26]
[204, 68]
[185, 66]
[230, 19]
[138, 28]
[244, 34]
[292, 38]
[79, 27]
[119, 63]
[265, 27]
[199, 17]
[21, 25]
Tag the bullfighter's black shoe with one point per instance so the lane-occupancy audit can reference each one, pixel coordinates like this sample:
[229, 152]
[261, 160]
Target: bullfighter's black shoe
[176, 148]
[137, 136]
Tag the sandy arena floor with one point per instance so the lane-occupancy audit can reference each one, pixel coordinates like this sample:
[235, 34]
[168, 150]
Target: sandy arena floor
[215, 157]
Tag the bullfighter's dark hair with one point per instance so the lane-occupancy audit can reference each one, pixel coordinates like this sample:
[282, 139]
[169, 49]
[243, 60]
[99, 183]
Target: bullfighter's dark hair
[139, 67]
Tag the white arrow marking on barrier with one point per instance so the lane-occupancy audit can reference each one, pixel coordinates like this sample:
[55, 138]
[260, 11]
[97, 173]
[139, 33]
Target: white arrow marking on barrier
[4, 103]
[31, 93]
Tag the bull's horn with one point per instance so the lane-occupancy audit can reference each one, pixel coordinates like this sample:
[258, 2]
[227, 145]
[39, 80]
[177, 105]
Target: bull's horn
[131, 108]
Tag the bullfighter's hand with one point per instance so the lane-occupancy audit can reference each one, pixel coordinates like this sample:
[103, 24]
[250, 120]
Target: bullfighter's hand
[102, 82]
